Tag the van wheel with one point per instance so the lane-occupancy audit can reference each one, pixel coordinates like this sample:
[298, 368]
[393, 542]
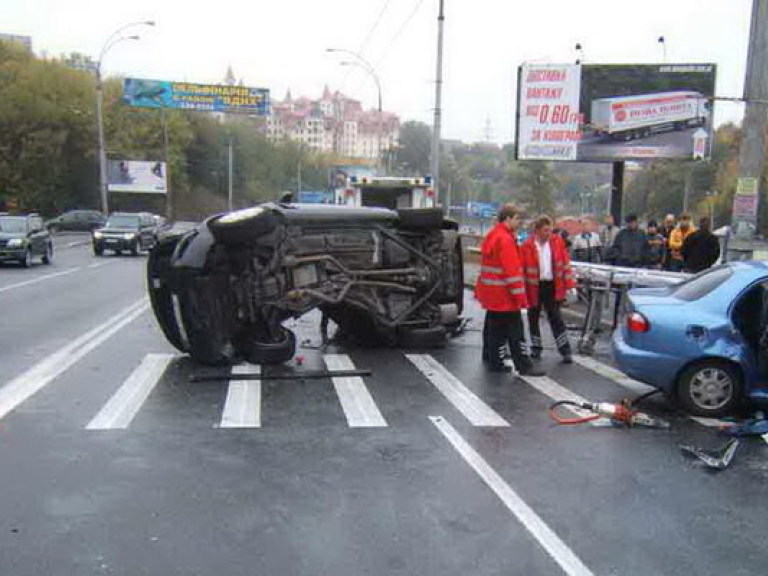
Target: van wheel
[711, 388]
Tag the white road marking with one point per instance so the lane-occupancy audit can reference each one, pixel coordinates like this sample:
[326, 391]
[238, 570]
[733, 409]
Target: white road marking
[242, 408]
[633, 385]
[356, 401]
[38, 279]
[556, 392]
[100, 264]
[536, 527]
[126, 402]
[42, 373]
[463, 399]
[613, 374]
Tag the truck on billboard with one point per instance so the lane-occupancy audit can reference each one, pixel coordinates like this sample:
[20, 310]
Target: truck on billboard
[614, 112]
[632, 117]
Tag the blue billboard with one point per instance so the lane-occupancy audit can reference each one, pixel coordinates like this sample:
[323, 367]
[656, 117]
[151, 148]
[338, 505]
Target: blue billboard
[482, 209]
[188, 96]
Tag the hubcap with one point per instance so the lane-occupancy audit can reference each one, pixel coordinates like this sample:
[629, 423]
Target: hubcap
[711, 388]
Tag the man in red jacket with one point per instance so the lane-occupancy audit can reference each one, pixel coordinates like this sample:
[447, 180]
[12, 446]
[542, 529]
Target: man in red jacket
[501, 291]
[548, 277]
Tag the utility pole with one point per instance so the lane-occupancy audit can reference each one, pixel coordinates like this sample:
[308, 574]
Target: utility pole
[438, 109]
[168, 196]
[230, 162]
[752, 152]
[102, 152]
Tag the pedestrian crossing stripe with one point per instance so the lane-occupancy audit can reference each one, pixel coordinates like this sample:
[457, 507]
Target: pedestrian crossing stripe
[242, 407]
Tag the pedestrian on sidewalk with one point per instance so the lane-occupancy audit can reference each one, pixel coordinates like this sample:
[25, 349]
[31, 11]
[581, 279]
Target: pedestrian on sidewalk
[501, 291]
[657, 246]
[701, 249]
[684, 229]
[586, 247]
[608, 236]
[548, 278]
[630, 246]
[666, 231]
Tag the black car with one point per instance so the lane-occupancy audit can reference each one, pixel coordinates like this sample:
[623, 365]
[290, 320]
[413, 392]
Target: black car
[126, 232]
[79, 220]
[221, 291]
[23, 238]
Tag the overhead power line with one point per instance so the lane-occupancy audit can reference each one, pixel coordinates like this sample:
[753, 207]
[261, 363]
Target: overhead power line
[369, 35]
[400, 30]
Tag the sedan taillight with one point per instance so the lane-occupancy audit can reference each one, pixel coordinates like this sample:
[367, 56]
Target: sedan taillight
[636, 322]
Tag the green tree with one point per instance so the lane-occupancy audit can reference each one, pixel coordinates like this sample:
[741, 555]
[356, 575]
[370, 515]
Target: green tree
[413, 152]
[533, 184]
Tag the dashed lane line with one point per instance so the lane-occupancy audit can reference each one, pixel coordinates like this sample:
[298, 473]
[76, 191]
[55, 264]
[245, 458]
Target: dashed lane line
[38, 279]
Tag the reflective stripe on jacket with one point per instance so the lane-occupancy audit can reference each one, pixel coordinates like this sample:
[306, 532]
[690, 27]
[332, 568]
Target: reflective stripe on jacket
[562, 273]
[500, 286]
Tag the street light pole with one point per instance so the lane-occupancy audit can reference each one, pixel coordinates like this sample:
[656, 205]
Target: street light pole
[437, 121]
[114, 39]
[362, 63]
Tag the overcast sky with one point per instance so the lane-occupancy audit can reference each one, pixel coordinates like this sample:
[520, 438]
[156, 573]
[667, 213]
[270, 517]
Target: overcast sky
[280, 44]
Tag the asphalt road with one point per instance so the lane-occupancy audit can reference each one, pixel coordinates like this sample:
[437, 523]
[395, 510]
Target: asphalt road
[112, 462]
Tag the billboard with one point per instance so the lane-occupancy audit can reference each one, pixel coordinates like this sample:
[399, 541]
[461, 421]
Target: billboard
[187, 96]
[137, 176]
[611, 112]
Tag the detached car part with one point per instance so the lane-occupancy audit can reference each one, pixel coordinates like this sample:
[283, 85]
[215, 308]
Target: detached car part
[222, 291]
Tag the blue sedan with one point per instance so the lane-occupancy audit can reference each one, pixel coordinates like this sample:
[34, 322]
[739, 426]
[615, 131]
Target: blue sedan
[699, 341]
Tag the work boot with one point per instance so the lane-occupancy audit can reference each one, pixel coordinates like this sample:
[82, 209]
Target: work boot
[503, 368]
[532, 370]
[567, 359]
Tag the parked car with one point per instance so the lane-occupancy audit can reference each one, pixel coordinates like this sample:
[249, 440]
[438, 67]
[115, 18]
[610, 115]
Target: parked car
[700, 341]
[221, 291]
[126, 232]
[79, 220]
[22, 238]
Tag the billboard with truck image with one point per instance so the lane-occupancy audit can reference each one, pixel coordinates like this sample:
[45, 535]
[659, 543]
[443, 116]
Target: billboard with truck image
[594, 113]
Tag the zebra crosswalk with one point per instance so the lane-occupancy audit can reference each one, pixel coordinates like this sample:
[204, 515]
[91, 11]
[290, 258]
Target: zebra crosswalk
[365, 402]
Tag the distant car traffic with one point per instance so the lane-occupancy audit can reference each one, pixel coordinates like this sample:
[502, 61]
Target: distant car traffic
[23, 238]
[78, 220]
[699, 341]
[126, 232]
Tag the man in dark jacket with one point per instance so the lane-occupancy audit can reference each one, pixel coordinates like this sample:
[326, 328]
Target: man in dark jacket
[701, 249]
[656, 248]
[629, 248]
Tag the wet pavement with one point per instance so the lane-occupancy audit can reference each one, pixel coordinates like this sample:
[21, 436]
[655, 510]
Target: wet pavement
[113, 462]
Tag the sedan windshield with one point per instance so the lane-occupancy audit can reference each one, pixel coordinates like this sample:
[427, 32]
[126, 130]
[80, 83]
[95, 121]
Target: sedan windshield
[123, 222]
[13, 225]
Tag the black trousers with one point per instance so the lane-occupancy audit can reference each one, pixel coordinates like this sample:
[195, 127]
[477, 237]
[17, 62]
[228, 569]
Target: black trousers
[502, 330]
[552, 308]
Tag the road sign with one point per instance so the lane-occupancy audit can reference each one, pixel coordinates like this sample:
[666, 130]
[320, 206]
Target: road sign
[188, 96]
